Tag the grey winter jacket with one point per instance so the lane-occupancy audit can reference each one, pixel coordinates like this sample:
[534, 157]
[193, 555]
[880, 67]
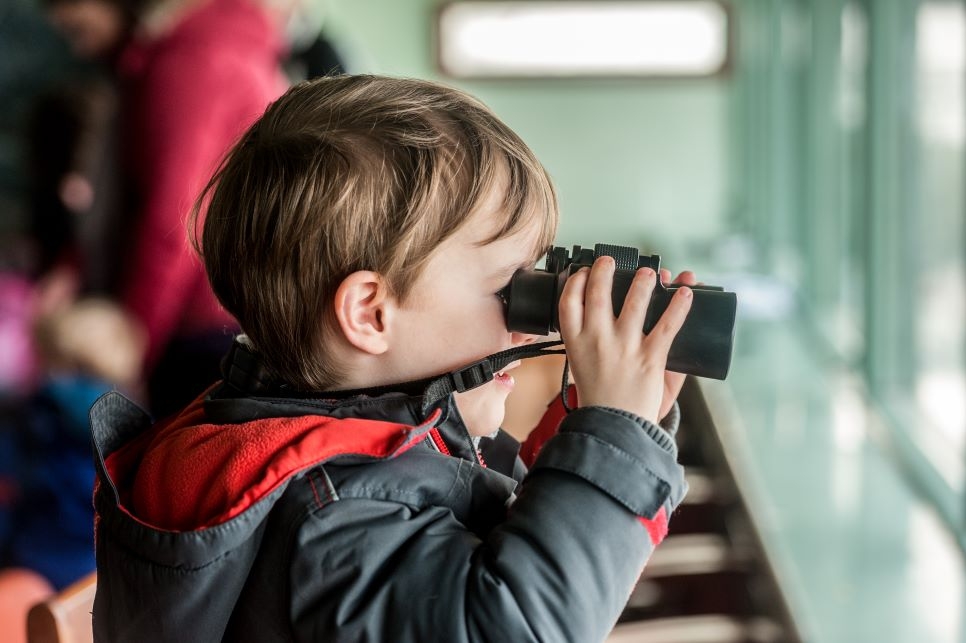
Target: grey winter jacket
[270, 519]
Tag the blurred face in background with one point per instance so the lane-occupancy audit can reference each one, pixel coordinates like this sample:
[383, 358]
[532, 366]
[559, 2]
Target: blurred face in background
[93, 28]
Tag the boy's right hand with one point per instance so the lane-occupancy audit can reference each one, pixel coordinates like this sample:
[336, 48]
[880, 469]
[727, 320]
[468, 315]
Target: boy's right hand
[612, 361]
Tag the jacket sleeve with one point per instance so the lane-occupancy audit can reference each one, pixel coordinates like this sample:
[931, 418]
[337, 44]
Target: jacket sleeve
[559, 567]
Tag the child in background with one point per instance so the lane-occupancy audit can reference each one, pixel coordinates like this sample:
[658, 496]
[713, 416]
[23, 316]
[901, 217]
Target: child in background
[86, 349]
[332, 487]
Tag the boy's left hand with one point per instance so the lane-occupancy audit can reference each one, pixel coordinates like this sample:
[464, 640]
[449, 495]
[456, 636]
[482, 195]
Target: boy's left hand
[674, 381]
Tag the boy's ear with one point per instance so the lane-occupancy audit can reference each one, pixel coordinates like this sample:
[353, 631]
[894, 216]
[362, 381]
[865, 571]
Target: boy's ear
[361, 302]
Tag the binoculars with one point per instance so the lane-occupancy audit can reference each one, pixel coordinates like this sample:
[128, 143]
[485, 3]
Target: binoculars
[703, 345]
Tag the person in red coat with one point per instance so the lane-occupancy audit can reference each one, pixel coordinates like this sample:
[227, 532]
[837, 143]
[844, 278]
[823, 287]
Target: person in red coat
[193, 75]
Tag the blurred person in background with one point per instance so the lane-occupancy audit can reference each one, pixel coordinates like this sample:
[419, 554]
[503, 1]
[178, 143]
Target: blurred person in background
[192, 75]
[70, 239]
[86, 348]
[311, 52]
[75, 199]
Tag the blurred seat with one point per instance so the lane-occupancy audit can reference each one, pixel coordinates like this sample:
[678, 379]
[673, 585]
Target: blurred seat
[707, 628]
[692, 574]
[692, 554]
[20, 589]
[65, 617]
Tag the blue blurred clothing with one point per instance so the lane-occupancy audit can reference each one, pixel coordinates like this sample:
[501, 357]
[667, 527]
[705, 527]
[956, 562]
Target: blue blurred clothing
[47, 474]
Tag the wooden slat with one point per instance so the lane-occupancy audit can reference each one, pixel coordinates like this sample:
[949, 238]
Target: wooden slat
[65, 617]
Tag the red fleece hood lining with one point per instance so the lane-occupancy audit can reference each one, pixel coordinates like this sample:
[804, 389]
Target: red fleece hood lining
[188, 474]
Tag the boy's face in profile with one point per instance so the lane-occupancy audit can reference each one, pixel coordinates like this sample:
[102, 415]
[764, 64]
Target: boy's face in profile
[454, 316]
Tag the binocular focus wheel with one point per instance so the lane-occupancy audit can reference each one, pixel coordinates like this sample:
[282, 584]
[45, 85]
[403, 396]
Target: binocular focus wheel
[624, 257]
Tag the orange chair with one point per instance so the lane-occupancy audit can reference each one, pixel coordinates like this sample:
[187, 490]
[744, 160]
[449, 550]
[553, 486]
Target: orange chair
[20, 589]
[65, 617]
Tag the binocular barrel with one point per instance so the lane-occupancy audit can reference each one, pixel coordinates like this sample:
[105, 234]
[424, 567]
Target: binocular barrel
[702, 347]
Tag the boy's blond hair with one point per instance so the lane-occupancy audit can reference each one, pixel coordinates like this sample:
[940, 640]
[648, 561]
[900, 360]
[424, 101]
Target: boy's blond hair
[353, 173]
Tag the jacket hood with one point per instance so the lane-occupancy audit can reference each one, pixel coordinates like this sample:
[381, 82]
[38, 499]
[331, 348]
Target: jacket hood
[191, 473]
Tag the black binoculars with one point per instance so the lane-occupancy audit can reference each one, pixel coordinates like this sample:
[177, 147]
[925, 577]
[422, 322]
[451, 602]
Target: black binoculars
[703, 345]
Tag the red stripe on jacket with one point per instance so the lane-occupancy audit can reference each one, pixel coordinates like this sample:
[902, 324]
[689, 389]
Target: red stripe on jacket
[656, 526]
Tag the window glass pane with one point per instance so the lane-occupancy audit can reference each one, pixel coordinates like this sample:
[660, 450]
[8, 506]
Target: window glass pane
[851, 110]
[940, 309]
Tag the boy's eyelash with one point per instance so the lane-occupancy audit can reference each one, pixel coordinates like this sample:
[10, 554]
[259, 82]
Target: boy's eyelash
[499, 293]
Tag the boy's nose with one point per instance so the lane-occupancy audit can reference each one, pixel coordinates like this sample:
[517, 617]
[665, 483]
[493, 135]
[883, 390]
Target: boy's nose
[521, 339]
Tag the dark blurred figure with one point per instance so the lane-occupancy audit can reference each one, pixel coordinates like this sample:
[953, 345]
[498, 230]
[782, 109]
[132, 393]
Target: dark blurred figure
[76, 213]
[318, 58]
[311, 53]
[70, 240]
[192, 75]
[96, 29]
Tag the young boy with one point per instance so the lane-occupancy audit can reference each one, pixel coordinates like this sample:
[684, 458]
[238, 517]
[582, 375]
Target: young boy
[360, 232]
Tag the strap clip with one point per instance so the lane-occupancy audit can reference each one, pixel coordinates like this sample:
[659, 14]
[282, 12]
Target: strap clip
[469, 377]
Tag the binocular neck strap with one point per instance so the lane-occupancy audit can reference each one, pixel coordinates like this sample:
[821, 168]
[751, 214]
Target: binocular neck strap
[482, 371]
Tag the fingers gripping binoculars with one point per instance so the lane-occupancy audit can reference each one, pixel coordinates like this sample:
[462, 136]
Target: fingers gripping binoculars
[703, 345]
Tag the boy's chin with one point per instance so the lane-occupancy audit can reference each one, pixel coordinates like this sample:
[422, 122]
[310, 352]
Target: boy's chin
[481, 413]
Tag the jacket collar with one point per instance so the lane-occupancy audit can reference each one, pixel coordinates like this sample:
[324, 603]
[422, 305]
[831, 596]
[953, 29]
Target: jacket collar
[248, 391]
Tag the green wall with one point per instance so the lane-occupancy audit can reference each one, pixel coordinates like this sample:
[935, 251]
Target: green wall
[639, 162]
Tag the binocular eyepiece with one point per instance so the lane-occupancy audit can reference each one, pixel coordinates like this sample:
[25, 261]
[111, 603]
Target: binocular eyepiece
[703, 345]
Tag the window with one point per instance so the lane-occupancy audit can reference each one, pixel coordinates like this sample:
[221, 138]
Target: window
[853, 162]
[940, 134]
[567, 39]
